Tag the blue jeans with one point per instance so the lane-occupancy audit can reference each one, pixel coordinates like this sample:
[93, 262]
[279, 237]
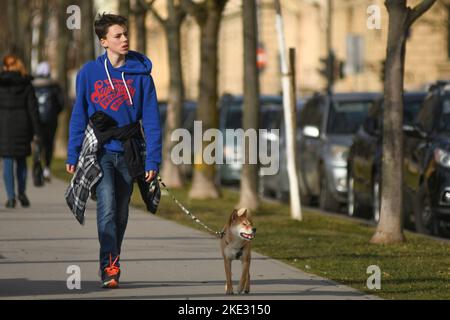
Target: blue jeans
[8, 175]
[113, 197]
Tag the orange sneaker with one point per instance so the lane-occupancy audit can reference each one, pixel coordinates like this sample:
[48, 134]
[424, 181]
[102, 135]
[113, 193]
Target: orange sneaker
[111, 275]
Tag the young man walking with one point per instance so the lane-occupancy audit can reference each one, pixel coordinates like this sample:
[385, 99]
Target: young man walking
[118, 85]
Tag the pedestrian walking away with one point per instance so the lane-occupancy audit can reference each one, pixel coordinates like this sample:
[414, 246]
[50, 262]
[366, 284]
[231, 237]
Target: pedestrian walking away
[50, 99]
[114, 95]
[19, 123]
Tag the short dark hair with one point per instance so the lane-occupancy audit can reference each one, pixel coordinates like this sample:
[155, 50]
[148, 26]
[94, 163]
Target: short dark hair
[106, 20]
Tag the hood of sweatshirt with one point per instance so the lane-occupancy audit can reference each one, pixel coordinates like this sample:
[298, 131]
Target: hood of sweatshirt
[135, 63]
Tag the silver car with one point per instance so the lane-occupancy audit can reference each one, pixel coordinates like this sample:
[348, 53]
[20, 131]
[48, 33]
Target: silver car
[231, 118]
[328, 124]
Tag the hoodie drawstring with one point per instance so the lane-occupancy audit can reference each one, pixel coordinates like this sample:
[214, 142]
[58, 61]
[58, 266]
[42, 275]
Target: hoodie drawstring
[123, 79]
[109, 77]
[126, 87]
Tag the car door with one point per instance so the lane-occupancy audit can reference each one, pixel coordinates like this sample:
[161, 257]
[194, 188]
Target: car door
[311, 122]
[415, 147]
[363, 154]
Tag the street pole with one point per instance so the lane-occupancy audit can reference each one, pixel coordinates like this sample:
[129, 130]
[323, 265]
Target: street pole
[330, 53]
[288, 104]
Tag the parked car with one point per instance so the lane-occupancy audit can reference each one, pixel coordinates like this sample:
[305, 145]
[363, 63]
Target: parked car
[231, 118]
[328, 124]
[426, 181]
[188, 117]
[278, 185]
[364, 159]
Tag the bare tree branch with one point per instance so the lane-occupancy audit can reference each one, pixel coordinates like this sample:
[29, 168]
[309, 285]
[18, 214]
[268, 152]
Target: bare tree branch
[197, 10]
[180, 12]
[419, 10]
[150, 7]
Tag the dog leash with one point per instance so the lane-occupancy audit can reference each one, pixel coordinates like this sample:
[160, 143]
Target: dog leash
[218, 234]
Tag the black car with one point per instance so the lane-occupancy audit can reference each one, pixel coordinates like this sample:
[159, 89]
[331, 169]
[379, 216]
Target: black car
[328, 124]
[364, 159]
[426, 178]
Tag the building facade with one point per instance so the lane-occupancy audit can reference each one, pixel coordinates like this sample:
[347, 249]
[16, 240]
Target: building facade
[362, 48]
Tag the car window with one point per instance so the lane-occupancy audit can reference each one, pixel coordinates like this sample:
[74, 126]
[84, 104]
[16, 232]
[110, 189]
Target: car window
[311, 114]
[233, 119]
[271, 118]
[425, 117]
[411, 109]
[345, 117]
[444, 119]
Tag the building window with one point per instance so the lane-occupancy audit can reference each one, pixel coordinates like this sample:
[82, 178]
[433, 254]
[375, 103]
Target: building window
[355, 54]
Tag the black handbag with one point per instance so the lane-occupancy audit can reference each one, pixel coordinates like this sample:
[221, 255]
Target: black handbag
[38, 174]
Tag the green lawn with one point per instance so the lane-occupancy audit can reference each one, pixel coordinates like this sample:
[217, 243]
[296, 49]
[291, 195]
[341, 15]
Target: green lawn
[331, 247]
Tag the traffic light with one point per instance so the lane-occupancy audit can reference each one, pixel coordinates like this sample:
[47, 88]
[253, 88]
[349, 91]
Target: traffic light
[332, 69]
[339, 70]
[328, 66]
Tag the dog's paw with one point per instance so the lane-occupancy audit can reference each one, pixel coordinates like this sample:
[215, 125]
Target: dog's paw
[229, 291]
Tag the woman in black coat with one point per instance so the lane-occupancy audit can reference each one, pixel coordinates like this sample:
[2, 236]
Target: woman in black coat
[19, 122]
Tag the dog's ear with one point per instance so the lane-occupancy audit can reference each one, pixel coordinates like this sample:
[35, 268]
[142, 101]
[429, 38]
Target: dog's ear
[243, 212]
[233, 216]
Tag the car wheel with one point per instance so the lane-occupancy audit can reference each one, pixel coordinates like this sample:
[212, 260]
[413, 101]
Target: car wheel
[376, 198]
[305, 199]
[443, 229]
[423, 215]
[326, 200]
[353, 207]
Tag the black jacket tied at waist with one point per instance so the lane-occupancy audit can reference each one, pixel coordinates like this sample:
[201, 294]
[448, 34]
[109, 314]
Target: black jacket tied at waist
[100, 129]
[105, 128]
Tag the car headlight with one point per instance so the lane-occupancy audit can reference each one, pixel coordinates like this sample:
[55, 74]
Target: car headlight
[231, 154]
[339, 153]
[442, 157]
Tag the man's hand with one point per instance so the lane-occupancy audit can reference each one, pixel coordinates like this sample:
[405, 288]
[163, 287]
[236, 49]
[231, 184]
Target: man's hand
[70, 168]
[149, 175]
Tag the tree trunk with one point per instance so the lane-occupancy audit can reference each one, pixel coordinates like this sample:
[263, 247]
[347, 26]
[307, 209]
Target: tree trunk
[140, 15]
[13, 24]
[87, 31]
[203, 181]
[23, 43]
[124, 8]
[390, 227]
[170, 172]
[249, 179]
[43, 26]
[124, 11]
[62, 66]
[4, 38]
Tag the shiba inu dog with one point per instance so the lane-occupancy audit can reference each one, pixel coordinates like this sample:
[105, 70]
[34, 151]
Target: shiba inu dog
[236, 244]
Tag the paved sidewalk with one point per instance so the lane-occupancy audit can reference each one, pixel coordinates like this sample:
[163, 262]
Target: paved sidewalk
[160, 259]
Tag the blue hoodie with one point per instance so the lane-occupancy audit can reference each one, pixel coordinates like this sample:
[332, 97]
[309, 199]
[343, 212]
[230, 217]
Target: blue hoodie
[126, 93]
